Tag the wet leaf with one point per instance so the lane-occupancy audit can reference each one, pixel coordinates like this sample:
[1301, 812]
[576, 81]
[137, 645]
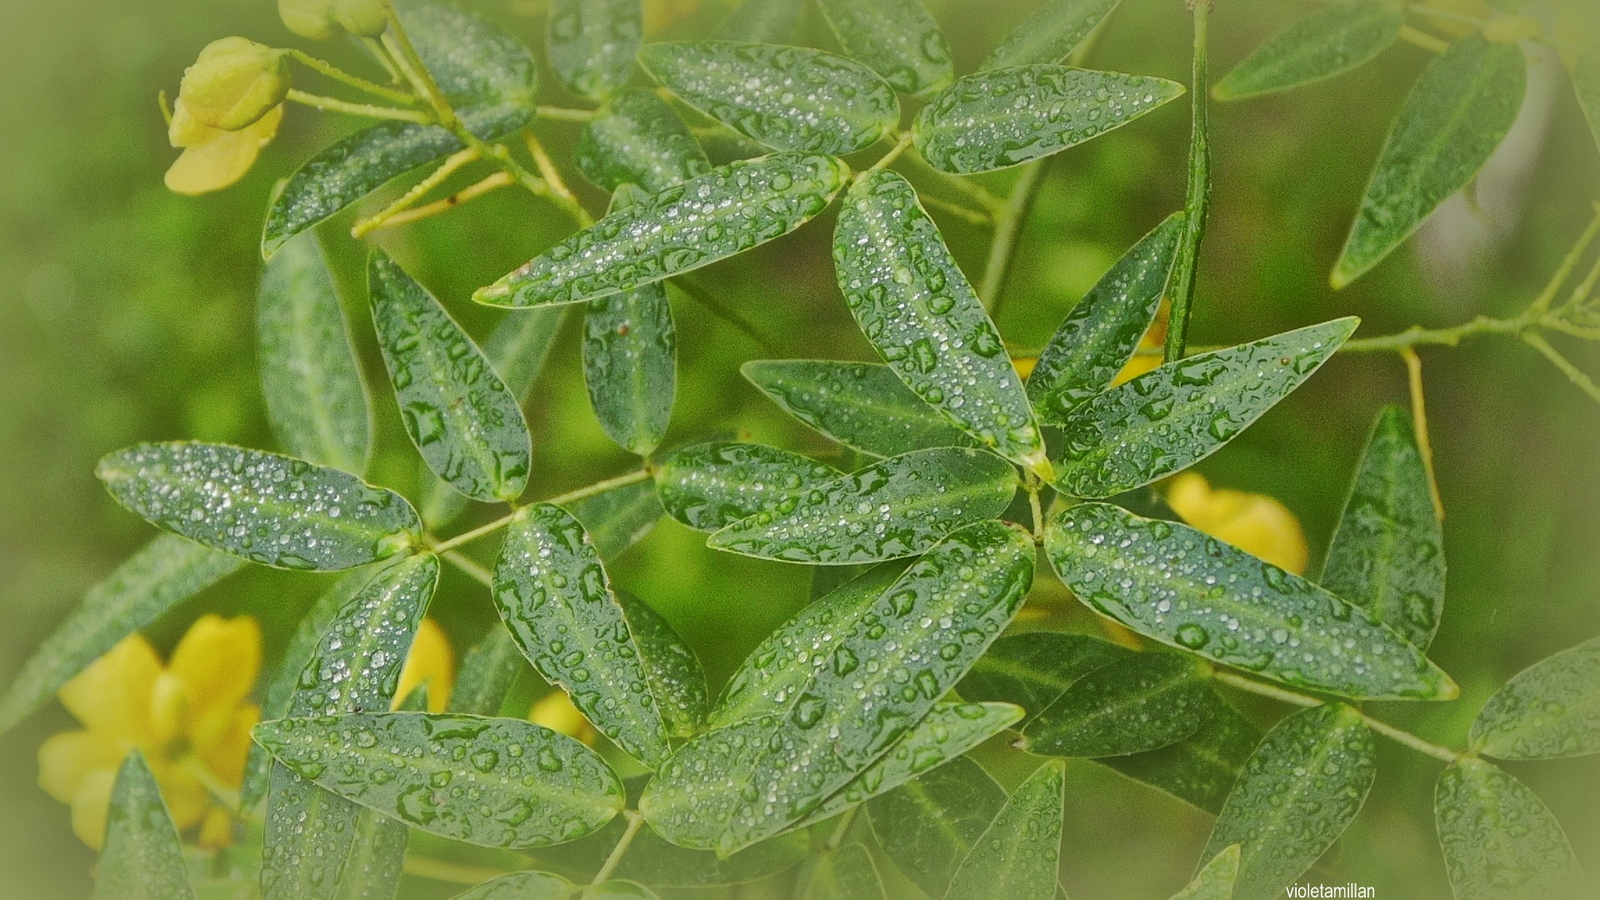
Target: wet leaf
[725, 212]
[1050, 34]
[520, 886]
[1460, 109]
[310, 377]
[927, 826]
[523, 786]
[789, 98]
[1586, 82]
[1006, 117]
[310, 834]
[1201, 769]
[1145, 702]
[638, 139]
[1216, 880]
[861, 405]
[652, 860]
[462, 418]
[894, 508]
[592, 43]
[1171, 418]
[377, 855]
[272, 509]
[1182, 587]
[1551, 709]
[619, 518]
[710, 486]
[762, 22]
[1500, 841]
[1297, 793]
[487, 674]
[672, 671]
[845, 874]
[916, 307]
[143, 858]
[898, 39]
[1033, 669]
[1018, 854]
[472, 61]
[1329, 42]
[1387, 554]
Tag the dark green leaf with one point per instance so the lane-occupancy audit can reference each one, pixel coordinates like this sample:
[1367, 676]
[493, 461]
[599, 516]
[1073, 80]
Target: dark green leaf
[927, 826]
[630, 365]
[472, 61]
[1033, 669]
[789, 98]
[710, 486]
[377, 855]
[638, 139]
[1050, 34]
[619, 518]
[1326, 43]
[1146, 702]
[592, 43]
[1455, 117]
[897, 38]
[652, 860]
[845, 874]
[520, 886]
[143, 858]
[1018, 854]
[1169, 419]
[672, 671]
[1199, 770]
[1216, 880]
[1551, 709]
[762, 21]
[1586, 82]
[1500, 841]
[487, 675]
[273, 509]
[860, 405]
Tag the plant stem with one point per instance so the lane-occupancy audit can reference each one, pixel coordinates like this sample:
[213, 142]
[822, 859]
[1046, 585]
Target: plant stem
[1419, 421]
[965, 213]
[837, 838]
[1008, 226]
[1569, 263]
[1298, 699]
[470, 566]
[716, 307]
[449, 872]
[1197, 201]
[634, 822]
[472, 192]
[600, 487]
[474, 534]
[1030, 482]
[447, 168]
[1417, 336]
[559, 191]
[1423, 39]
[565, 115]
[357, 82]
[893, 154]
[1573, 373]
[333, 104]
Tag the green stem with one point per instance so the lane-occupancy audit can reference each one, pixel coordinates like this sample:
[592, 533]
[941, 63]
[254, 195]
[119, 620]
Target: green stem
[1008, 226]
[357, 82]
[1198, 198]
[600, 487]
[893, 154]
[837, 838]
[621, 849]
[449, 872]
[559, 191]
[470, 566]
[333, 104]
[474, 534]
[965, 213]
[717, 308]
[1389, 731]
[1569, 264]
[1031, 483]
[1573, 373]
[1418, 37]
[1417, 336]
[562, 114]
[447, 168]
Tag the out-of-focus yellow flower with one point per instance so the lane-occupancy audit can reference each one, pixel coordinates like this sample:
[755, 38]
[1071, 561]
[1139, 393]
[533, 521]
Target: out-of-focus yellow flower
[366, 18]
[1255, 523]
[189, 718]
[234, 83]
[309, 18]
[556, 712]
[430, 662]
[1154, 339]
[213, 158]
[1024, 365]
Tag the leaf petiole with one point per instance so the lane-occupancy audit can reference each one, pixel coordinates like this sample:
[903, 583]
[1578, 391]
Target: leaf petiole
[333, 104]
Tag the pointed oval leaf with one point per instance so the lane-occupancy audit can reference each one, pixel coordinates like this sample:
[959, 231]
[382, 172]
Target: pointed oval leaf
[630, 365]
[1297, 793]
[143, 858]
[928, 826]
[1171, 418]
[1006, 117]
[310, 834]
[377, 857]
[1551, 709]
[924, 319]
[520, 886]
[1387, 554]
[845, 874]
[1326, 43]
[1215, 881]
[272, 509]
[487, 675]
[1142, 703]
[472, 61]
[619, 518]
[523, 786]
[638, 139]
[1033, 669]
[762, 21]
[894, 508]
[671, 669]
[592, 43]
[1456, 115]
[1201, 769]
[1019, 853]
[1185, 588]
[861, 405]
[710, 486]
[898, 39]
[462, 418]
[722, 213]
[789, 98]
[1500, 841]
[1050, 34]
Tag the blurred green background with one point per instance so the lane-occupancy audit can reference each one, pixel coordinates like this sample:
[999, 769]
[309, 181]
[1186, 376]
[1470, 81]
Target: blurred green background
[126, 315]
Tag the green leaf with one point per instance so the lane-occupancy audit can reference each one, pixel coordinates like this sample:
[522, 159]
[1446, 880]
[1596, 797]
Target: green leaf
[1216, 880]
[1551, 709]
[143, 858]
[861, 405]
[619, 518]
[1050, 34]
[1142, 703]
[630, 365]
[472, 61]
[927, 826]
[894, 508]
[552, 591]
[710, 486]
[1102, 332]
[1500, 841]
[919, 312]
[1459, 111]
[654, 861]
[638, 139]
[1328, 42]
[272, 509]
[1199, 770]
[462, 418]
[898, 39]
[845, 874]
[1586, 83]
[1169, 419]
[521, 886]
[487, 674]
[377, 855]
[1185, 588]
[725, 212]
[310, 834]
[592, 43]
[1297, 793]
[866, 684]
[1033, 669]
[671, 670]
[762, 22]
[1006, 117]
[1387, 554]
[524, 785]
[789, 98]
[618, 889]
[163, 574]
[1018, 854]
[310, 377]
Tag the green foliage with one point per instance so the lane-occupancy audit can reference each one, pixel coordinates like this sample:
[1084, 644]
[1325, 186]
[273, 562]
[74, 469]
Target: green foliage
[1550, 710]
[897, 38]
[711, 486]
[846, 874]
[928, 826]
[143, 858]
[520, 886]
[1017, 855]
[592, 43]
[638, 139]
[1215, 881]
[1201, 769]
[1499, 840]
[861, 405]
[1326, 43]
[1051, 34]
[1145, 702]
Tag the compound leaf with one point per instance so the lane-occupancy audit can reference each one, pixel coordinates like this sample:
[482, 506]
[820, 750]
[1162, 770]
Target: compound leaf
[1050, 34]
[592, 43]
[861, 405]
[928, 826]
[1216, 881]
[1326, 43]
[143, 858]
[1020, 851]
[710, 486]
[638, 139]
[1201, 769]
[898, 39]
[1145, 702]
[520, 886]
[845, 874]
[762, 21]
[1500, 840]
[1550, 709]
[1033, 669]
[377, 856]
[671, 669]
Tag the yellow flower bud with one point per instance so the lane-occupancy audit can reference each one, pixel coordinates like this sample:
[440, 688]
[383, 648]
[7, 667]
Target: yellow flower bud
[212, 158]
[309, 18]
[1255, 523]
[367, 18]
[234, 83]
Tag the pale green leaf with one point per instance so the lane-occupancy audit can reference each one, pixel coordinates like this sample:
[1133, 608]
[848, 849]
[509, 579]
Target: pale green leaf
[1329, 42]
[272, 509]
[762, 21]
[928, 826]
[1216, 880]
[1500, 840]
[1018, 854]
[845, 874]
[377, 855]
[619, 518]
[897, 38]
[520, 886]
[1033, 669]
[861, 405]
[592, 43]
[1586, 83]
[672, 671]
[1050, 34]
[143, 858]
[619, 889]
[652, 860]
[1201, 769]
[1551, 709]
[1171, 418]
[472, 61]
[710, 486]
[487, 674]
[638, 139]
[310, 834]
[1145, 702]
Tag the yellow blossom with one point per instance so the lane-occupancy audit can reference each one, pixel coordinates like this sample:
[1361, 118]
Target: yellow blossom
[430, 662]
[213, 158]
[1255, 523]
[1145, 360]
[556, 712]
[234, 83]
[309, 18]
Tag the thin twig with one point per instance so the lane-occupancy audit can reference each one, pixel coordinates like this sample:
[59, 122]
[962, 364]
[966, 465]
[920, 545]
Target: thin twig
[1573, 373]
[635, 821]
[559, 191]
[1419, 421]
[472, 192]
[562, 114]
[466, 564]
[355, 81]
[1423, 39]
[1569, 263]
[1008, 226]
[1389, 731]
[334, 104]
[600, 487]
[450, 166]
[893, 154]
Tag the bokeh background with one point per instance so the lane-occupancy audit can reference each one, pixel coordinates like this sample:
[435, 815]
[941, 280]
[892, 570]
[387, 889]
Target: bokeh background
[126, 315]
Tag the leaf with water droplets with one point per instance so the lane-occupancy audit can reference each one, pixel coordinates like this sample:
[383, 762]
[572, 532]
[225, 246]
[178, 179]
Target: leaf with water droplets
[471, 60]
[553, 594]
[864, 684]
[308, 841]
[1500, 841]
[920, 313]
[671, 669]
[592, 43]
[1145, 702]
[789, 98]
[1185, 588]
[1006, 117]
[1457, 114]
[143, 858]
[1586, 83]
[860, 405]
[1201, 769]
[1297, 793]
[1326, 43]
[1387, 553]
[619, 518]
[487, 674]
[462, 418]
[710, 486]
[1018, 854]
[272, 509]
[377, 856]
[310, 377]
[1033, 669]
[898, 507]
[1171, 418]
[522, 785]
[845, 874]
[1050, 34]
[725, 212]
[1549, 710]
[897, 38]
[927, 826]
[638, 139]
[520, 886]
[1101, 333]
[762, 21]
[1216, 880]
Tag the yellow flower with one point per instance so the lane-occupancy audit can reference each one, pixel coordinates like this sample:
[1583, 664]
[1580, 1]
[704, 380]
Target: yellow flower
[1255, 523]
[213, 158]
[234, 83]
[189, 718]
[556, 712]
[1154, 339]
[430, 662]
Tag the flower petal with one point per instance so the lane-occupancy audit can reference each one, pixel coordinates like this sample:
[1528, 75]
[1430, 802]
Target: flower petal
[430, 661]
[1255, 523]
[67, 759]
[222, 157]
[216, 663]
[225, 755]
[112, 696]
[90, 806]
